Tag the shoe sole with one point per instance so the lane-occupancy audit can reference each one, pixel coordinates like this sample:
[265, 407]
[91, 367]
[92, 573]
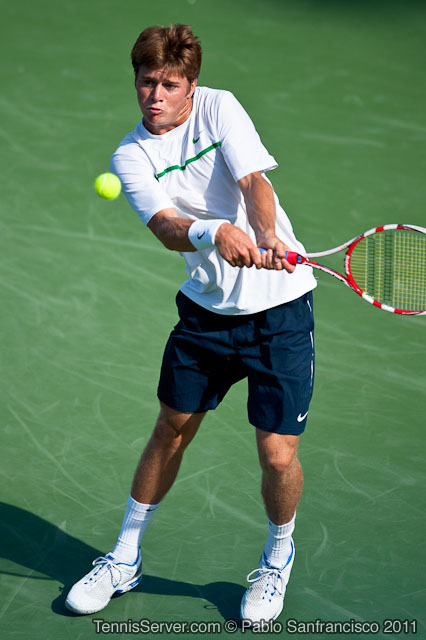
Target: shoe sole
[122, 589]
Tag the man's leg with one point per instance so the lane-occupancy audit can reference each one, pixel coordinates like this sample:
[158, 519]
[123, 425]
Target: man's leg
[120, 570]
[282, 476]
[155, 474]
[282, 482]
[161, 459]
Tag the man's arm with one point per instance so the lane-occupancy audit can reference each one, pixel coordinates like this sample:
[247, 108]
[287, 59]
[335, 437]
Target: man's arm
[234, 245]
[171, 230]
[260, 205]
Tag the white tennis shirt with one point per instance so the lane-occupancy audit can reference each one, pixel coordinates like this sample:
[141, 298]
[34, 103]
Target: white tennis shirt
[194, 168]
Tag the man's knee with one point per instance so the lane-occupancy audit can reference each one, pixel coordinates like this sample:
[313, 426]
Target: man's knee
[280, 463]
[175, 429]
[277, 452]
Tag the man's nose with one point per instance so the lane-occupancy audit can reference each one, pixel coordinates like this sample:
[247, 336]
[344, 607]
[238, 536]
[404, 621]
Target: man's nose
[158, 92]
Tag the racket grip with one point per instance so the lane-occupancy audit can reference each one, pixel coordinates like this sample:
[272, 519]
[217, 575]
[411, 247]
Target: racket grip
[291, 256]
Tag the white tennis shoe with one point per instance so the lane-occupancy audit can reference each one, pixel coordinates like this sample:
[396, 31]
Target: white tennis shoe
[93, 592]
[264, 599]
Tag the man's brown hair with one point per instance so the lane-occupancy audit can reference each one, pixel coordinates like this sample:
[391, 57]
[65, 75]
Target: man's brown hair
[174, 48]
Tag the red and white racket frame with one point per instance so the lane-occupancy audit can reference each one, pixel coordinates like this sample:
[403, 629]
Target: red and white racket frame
[295, 258]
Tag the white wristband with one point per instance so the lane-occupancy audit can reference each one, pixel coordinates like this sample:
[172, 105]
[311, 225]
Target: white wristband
[202, 233]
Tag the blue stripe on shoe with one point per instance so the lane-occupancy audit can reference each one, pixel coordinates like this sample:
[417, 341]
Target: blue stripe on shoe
[289, 559]
[290, 556]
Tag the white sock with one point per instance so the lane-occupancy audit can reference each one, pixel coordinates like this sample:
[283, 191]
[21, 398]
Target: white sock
[278, 545]
[135, 521]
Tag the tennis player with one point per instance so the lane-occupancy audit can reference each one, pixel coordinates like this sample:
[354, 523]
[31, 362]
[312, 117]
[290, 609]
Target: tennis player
[194, 171]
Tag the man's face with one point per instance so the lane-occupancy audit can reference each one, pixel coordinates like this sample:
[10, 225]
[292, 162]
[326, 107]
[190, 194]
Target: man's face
[165, 99]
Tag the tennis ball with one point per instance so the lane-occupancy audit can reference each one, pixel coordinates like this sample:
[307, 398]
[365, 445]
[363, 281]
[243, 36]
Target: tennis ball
[108, 186]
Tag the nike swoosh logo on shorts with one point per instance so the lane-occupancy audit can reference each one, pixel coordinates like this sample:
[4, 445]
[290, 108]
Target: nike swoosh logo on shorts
[301, 418]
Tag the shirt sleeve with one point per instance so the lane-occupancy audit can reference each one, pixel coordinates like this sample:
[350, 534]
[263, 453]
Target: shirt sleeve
[140, 186]
[241, 145]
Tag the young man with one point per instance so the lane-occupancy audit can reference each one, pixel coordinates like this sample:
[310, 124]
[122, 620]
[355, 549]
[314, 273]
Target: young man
[193, 170]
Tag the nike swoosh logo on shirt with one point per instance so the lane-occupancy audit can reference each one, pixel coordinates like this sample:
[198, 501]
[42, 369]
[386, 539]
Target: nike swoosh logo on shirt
[200, 235]
[195, 140]
[301, 418]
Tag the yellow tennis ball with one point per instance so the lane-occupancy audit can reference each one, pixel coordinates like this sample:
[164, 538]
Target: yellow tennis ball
[108, 186]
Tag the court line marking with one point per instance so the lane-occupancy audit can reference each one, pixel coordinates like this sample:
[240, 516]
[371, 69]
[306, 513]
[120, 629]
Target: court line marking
[91, 237]
[51, 457]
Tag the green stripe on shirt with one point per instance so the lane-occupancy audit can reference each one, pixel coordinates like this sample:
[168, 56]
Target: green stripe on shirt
[187, 162]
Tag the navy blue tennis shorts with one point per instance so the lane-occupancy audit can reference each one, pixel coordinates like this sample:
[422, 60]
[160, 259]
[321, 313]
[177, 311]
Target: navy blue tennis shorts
[274, 349]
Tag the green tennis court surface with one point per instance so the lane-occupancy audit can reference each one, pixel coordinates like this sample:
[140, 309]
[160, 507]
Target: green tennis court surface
[87, 296]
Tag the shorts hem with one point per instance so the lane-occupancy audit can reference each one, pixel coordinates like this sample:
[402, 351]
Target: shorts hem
[183, 407]
[284, 431]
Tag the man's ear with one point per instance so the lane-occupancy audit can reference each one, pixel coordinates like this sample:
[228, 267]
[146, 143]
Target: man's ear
[192, 87]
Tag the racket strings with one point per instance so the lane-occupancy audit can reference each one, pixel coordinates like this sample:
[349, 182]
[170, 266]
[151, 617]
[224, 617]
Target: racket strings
[390, 266]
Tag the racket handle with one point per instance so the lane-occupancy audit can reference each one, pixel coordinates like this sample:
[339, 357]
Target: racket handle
[294, 258]
[291, 256]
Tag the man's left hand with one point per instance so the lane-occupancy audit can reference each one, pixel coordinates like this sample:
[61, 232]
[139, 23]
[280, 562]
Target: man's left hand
[274, 256]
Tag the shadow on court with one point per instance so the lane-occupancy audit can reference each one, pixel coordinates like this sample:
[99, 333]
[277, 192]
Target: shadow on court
[42, 547]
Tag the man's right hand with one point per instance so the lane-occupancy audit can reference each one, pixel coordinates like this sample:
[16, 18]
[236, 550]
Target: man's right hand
[236, 247]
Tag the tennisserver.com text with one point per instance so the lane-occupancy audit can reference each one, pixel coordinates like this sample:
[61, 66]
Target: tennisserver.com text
[153, 627]
[332, 627]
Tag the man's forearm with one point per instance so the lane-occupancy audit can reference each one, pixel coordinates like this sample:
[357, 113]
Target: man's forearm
[183, 234]
[261, 212]
[260, 205]
[171, 230]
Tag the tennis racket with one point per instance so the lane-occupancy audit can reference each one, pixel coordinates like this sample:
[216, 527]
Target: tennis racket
[386, 266]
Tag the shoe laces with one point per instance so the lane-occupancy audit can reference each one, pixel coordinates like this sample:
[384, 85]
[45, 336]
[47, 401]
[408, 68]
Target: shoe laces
[271, 574]
[105, 562]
